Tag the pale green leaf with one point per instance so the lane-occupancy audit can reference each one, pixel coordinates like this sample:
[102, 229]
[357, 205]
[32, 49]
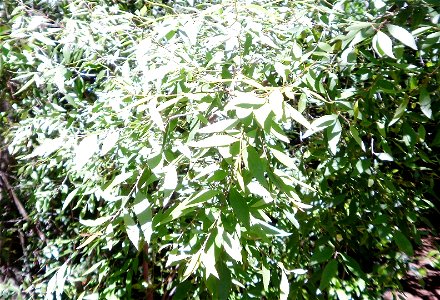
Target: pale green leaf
[95, 222]
[208, 260]
[334, 135]
[425, 103]
[170, 180]
[216, 140]
[144, 214]
[284, 286]
[109, 142]
[383, 44]
[132, 229]
[69, 198]
[297, 116]
[265, 272]
[192, 265]
[283, 158]
[276, 100]
[402, 35]
[384, 156]
[219, 126]
[232, 246]
[85, 150]
[399, 111]
[118, 180]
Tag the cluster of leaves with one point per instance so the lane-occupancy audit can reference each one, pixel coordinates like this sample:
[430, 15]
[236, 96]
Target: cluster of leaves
[232, 149]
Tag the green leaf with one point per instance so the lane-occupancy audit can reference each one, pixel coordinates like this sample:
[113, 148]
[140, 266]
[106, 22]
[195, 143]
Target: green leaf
[240, 207]
[402, 35]
[329, 272]
[399, 111]
[213, 141]
[403, 243]
[321, 254]
[119, 179]
[256, 165]
[283, 158]
[69, 198]
[192, 265]
[355, 135]
[232, 246]
[208, 260]
[425, 102]
[132, 229]
[334, 135]
[382, 44]
[320, 124]
[265, 272]
[144, 214]
[297, 116]
[353, 266]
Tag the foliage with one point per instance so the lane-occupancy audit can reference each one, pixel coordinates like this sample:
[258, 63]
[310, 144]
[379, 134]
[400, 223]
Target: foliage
[239, 149]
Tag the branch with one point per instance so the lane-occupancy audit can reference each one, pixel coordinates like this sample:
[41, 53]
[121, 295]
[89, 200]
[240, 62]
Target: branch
[18, 204]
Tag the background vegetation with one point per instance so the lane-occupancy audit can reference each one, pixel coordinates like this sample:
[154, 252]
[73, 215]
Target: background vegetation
[216, 149]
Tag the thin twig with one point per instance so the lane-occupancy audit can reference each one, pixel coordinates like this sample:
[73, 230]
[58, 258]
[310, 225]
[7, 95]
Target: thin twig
[18, 204]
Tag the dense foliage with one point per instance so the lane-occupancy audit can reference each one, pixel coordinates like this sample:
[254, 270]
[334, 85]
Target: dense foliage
[217, 149]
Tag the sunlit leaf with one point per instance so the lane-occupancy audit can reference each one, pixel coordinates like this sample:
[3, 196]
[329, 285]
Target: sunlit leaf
[402, 35]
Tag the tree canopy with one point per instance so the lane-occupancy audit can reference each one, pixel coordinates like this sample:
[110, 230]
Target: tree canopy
[217, 149]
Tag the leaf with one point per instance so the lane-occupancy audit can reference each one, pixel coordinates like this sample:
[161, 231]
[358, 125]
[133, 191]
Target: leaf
[192, 266]
[402, 35]
[213, 141]
[425, 103]
[69, 198]
[232, 246]
[262, 116]
[353, 266]
[170, 180]
[118, 180]
[284, 286]
[403, 243]
[132, 230]
[298, 117]
[383, 44]
[90, 239]
[96, 222]
[320, 124]
[266, 277]
[240, 207]
[268, 229]
[384, 156]
[256, 165]
[355, 135]
[109, 142]
[276, 100]
[399, 111]
[334, 135]
[208, 260]
[144, 214]
[219, 126]
[85, 150]
[283, 158]
[329, 272]
[321, 254]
